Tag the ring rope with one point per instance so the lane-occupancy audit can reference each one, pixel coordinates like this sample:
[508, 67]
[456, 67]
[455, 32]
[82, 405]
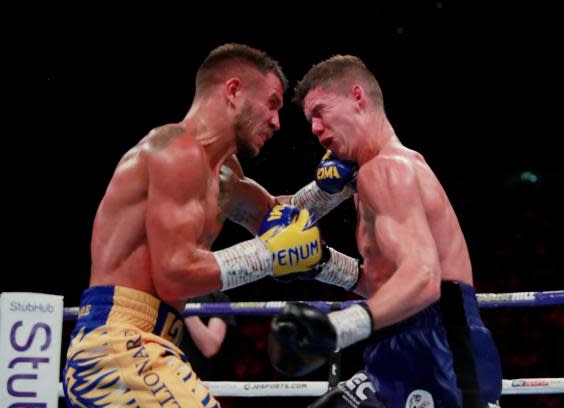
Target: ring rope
[317, 388]
[485, 300]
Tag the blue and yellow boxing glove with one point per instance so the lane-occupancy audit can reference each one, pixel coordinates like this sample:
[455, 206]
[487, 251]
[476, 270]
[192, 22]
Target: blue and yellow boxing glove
[334, 175]
[334, 183]
[288, 246]
[292, 236]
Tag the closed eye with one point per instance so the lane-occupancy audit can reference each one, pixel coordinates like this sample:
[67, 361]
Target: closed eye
[274, 103]
[315, 112]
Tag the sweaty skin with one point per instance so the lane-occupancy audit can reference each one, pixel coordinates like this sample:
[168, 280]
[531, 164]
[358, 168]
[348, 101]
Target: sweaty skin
[165, 204]
[407, 234]
[407, 231]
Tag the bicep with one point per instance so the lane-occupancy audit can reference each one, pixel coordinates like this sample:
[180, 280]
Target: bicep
[403, 239]
[401, 227]
[174, 213]
[172, 226]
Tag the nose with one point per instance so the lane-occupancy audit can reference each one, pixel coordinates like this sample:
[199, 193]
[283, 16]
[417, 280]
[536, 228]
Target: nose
[275, 122]
[317, 127]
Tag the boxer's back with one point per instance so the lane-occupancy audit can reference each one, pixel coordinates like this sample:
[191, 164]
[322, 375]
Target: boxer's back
[449, 238]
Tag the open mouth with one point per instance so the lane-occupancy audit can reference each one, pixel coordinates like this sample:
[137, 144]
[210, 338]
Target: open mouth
[263, 138]
[326, 142]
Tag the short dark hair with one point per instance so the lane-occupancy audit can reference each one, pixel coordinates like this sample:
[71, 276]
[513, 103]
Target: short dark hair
[225, 59]
[339, 73]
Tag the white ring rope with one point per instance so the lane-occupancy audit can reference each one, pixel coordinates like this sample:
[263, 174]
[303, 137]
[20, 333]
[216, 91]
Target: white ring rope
[318, 388]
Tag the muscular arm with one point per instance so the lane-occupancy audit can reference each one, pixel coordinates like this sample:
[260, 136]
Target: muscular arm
[208, 338]
[390, 189]
[246, 202]
[181, 264]
[395, 228]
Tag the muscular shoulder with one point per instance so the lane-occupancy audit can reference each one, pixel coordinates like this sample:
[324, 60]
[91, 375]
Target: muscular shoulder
[175, 157]
[391, 171]
[160, 137]
[171, 138]
[388, 184]
[173, 142]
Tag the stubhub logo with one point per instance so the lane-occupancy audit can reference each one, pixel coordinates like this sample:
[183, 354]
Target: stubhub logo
[31, 307]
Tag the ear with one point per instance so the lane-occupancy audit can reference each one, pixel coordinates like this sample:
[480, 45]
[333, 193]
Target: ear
[359, 96]
[232, 89]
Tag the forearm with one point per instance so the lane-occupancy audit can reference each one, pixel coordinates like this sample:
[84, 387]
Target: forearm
[201, 271]
[248, 204]
[408, 291]
[243, 263]
[289, 244]
[352, 324]
[208, 338]
[339, 269]
[187, 274]
[334, 183]
[317, 201]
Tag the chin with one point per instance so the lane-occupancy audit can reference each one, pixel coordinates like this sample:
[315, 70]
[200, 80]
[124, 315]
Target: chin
[334, 150]
[247, 152]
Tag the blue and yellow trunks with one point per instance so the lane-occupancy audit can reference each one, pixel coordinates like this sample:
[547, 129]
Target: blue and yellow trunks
[123, 353]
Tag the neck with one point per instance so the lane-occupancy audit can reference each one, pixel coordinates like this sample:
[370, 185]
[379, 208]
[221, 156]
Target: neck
[380, 135]
[212, 129]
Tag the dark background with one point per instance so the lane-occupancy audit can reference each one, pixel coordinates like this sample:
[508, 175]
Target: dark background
[476, 88]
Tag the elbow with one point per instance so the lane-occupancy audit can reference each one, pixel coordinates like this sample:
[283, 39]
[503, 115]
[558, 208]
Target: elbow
[166, 293]
[430, 284]
[211, 349]
[167, 280]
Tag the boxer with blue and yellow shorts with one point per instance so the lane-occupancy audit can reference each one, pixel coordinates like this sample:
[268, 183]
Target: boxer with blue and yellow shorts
[123, 353]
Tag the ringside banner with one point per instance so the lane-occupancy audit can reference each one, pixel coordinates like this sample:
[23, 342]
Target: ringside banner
[30, 349]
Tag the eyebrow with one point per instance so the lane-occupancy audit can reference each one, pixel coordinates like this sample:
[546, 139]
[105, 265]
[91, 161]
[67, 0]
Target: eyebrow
[276, 98]
[313, 110]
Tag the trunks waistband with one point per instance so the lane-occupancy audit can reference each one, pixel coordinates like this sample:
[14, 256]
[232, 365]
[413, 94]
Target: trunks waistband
[107, 305]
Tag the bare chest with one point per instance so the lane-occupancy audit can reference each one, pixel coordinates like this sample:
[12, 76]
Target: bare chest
[377, 267]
